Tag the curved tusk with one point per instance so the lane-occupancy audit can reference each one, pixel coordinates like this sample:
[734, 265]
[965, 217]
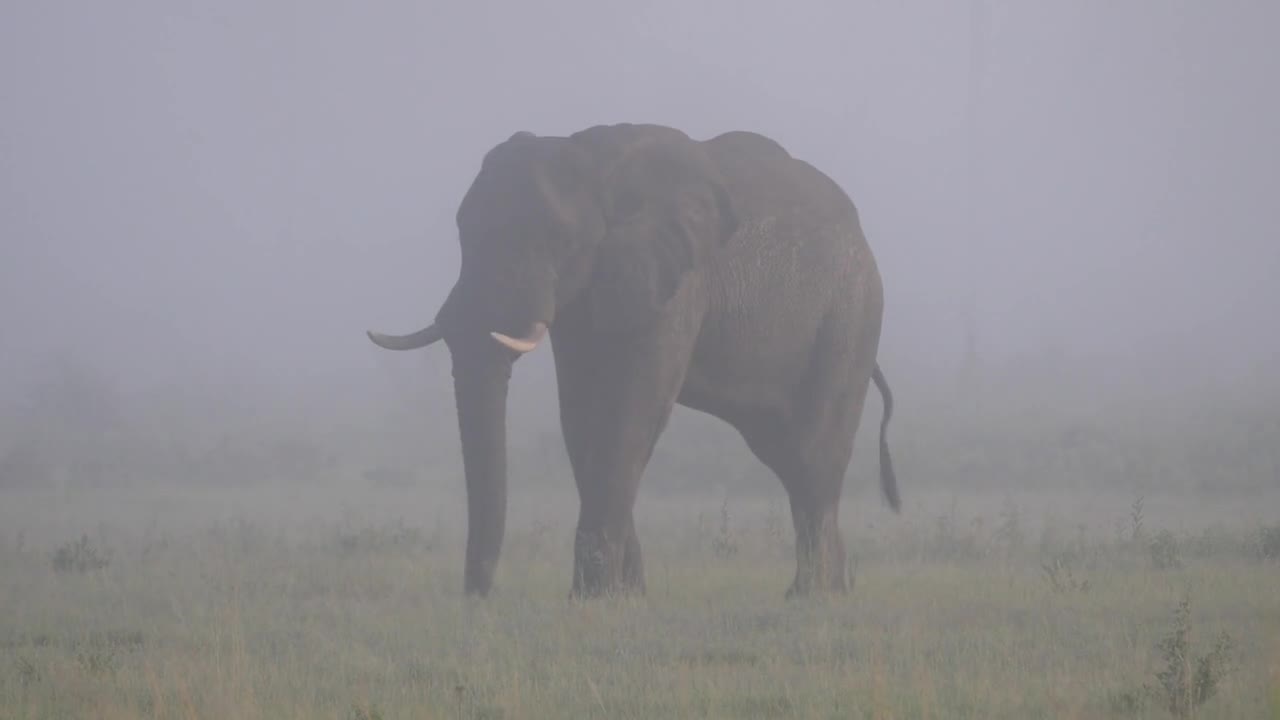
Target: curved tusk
[413, 341]
[524, 344]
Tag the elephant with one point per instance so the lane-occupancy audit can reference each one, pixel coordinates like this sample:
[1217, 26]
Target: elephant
[722, 275]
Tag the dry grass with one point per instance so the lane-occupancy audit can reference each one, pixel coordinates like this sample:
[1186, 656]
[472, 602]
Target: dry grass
[165, 560]
[276, 603]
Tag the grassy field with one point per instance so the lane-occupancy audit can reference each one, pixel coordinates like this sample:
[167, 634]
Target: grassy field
[294, 602]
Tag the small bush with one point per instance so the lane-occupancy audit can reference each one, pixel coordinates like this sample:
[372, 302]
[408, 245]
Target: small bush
[724, 544]
[27, 672]
[361, 712]
[1164, 551]
[1269, 542]
[79, 556]
[1058, 573]
[1189, 684]
[380, 539]
[951, 541]
[1135, 520]
[774, 524]
[1009, 532]
[1186, 682]
[98, 661]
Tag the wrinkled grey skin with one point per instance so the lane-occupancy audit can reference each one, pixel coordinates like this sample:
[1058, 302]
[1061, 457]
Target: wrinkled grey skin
[723, 275]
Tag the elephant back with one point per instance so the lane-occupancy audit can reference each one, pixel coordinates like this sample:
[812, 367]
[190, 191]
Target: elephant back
[609, 144]
[769, 183]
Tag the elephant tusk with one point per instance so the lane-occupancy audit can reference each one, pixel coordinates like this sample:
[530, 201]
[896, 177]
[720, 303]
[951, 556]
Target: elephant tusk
[524, 344]
[413, 341]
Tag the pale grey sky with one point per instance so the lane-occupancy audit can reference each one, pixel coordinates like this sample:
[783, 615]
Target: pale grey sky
[211, 192]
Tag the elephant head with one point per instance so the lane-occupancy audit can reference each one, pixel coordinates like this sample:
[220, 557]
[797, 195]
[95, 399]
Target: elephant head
[611, 216]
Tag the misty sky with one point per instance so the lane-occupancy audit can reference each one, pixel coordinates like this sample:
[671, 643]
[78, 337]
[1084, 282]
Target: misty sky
[238, 189]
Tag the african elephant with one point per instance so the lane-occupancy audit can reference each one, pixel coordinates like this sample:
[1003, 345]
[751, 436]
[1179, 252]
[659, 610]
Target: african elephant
[724, 275]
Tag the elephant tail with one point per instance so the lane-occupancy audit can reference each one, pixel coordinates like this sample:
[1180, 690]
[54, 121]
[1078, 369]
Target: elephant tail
[888, 481]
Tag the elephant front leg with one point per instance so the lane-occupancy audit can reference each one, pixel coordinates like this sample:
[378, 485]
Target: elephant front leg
[620, 406]
[607, 559]
[606, 556]
[618, 388]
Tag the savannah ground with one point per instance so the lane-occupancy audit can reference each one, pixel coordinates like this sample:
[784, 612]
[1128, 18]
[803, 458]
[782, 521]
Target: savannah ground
[336, 593]
[323, 603]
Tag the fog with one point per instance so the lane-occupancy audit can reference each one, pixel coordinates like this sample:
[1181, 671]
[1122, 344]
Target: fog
[217, 496]
[218, 199]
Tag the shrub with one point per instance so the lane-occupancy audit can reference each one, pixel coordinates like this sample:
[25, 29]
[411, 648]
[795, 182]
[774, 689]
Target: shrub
[79, 556]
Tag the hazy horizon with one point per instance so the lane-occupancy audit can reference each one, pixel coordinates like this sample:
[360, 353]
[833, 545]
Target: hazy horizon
[221, 198]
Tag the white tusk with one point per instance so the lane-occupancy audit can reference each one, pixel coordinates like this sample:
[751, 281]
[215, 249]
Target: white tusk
[525, 344]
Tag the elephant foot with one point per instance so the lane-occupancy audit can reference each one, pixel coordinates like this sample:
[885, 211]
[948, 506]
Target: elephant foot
[811, 585]
[607, 568]
[616, 590]
[478, 576]
[621, 587]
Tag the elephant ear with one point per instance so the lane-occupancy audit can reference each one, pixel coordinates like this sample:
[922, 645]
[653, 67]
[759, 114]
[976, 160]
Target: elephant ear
[544, 185]
[669, 212]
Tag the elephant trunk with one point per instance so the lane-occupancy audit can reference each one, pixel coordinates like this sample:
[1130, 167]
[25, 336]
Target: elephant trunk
[481, 396]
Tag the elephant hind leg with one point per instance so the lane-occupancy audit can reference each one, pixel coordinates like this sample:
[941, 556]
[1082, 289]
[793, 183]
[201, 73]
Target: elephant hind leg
[809, 449]
[820, 555]
[813, 483]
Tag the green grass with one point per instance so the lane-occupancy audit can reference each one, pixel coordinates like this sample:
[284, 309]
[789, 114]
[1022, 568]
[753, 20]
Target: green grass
[277, 603]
